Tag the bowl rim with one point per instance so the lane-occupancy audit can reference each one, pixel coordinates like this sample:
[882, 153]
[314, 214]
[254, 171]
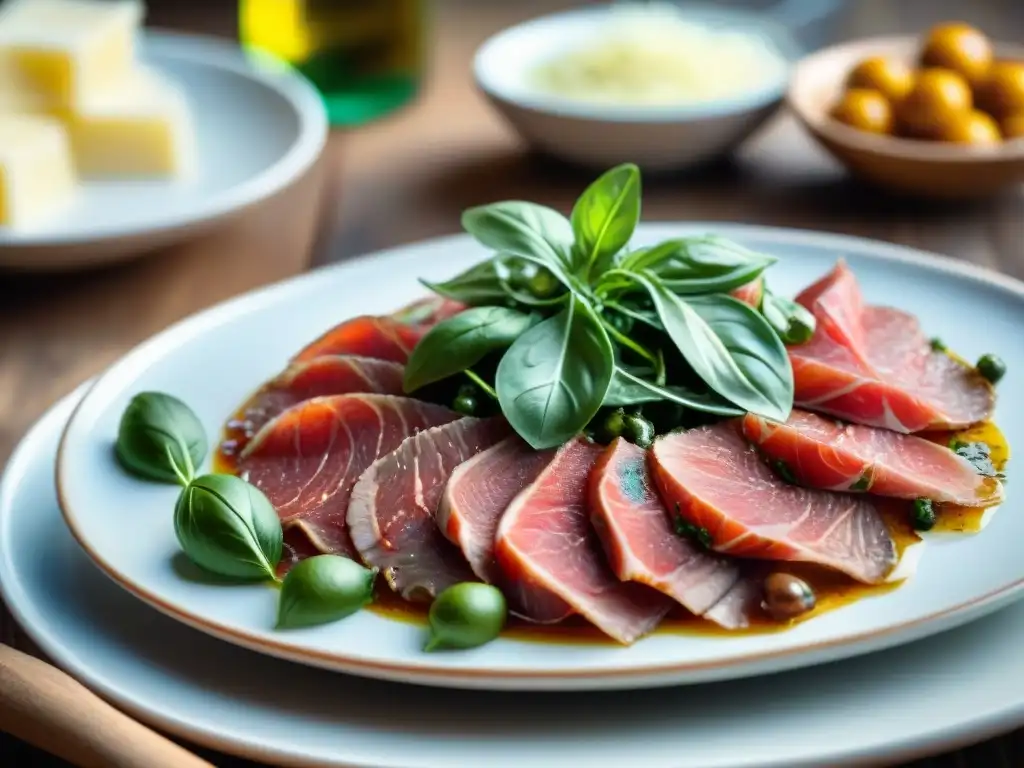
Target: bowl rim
[820, 124]
[785, 45]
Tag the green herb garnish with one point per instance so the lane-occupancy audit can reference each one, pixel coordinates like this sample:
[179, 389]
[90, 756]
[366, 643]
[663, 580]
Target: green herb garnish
[582, 321]
[863, 482]
[228, 527]
[978, 454]
[924, 515]
[783, 470]
[937, 345]
[160, 438]
[698, 534]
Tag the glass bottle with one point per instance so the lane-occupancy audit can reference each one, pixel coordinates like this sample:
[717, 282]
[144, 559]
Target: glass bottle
[365, 56]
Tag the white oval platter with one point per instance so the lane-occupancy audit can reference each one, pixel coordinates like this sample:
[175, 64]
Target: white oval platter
[883, 708]
[213, 360]
[258, 127]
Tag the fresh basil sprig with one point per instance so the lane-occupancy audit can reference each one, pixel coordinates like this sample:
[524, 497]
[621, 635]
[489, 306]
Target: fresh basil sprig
[605, 316]
[323, 589]
[460, 342]
[553, 379]
[604, 218]
[160, 438]
[792, 322]
[228, 527]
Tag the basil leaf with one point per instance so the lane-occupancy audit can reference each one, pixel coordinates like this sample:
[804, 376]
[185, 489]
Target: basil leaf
[704, 256]
[480, 284]
[730, 346]
[523, 229]
[322, 589]
[554, 378]
[792, 322]
[228, 527]
[688, 285]
[628, 389]
[459, 342]
[604, 218]
[160, 438]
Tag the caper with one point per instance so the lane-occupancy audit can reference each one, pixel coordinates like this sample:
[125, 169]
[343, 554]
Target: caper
[991, 367]
[620, 322]
[638, 430]
[613, 426]
[786, 596]
[465, 404]
[543, 284]
[466, 615]
[924, 515]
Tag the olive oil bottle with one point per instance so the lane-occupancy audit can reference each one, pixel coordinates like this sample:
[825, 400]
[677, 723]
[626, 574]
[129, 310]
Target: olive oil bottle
[365, 56]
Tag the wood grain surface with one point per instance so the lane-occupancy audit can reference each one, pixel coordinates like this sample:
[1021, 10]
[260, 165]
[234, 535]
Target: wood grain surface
[410, 175]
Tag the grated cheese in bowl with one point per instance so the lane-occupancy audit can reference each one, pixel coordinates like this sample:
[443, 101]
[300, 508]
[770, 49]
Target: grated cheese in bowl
[652, 54]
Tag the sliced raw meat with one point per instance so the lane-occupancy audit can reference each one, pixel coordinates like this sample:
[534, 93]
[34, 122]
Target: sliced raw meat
[545, 542]
[391, 513]
[893, 380]
[474, 500]
[751, 293]
[295, 548]
[381, 338]
[317, 377]
[740, 604]
[636, 531]
[717, 482]
[308, 458]
[428, 311]
[822, 453]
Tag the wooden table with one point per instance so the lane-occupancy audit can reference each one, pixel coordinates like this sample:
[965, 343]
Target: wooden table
[408, 177]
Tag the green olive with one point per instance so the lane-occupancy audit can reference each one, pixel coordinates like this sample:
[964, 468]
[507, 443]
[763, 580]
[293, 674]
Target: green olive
[638, 430]
[924, 515]
[466, 615]
[991, 367]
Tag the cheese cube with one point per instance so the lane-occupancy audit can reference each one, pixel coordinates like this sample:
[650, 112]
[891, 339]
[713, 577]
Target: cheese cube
[140, 128]
[64, 49]
[37, 175]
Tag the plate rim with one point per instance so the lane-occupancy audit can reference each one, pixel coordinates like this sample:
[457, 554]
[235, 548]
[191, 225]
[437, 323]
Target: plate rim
[637, 676]
[215, 53]
[982, 726]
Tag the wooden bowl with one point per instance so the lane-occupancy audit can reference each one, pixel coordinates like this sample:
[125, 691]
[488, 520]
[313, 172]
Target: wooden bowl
[928, 169]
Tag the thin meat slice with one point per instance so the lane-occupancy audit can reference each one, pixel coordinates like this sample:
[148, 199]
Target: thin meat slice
[317, 377]
[307, 459]
[750, 293]
[713, 479]
[635, 529]
[822, 453]
[391, 514]
[477, 494]
[545, 543]
[381, 338]
[741, 603]
[874, 366]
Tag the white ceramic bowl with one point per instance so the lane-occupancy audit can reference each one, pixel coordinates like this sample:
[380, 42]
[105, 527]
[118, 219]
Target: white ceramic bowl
[655, 137]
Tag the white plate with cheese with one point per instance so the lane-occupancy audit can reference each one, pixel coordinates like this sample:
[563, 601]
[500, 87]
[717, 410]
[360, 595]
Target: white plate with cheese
[193, 132]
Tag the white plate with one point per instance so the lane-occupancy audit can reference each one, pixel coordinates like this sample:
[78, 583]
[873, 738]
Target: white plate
[887, 707]
[215, 359]
[258, 128]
